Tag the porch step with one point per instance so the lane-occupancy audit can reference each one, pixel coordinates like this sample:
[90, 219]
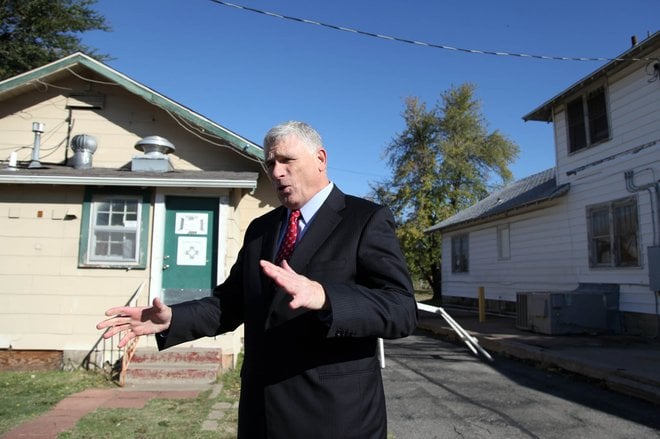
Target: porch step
[181, 366]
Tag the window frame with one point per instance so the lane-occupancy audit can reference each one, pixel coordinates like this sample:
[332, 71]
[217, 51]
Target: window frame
[92, 198]
[611, 240]
[460, 253]
[588, 119]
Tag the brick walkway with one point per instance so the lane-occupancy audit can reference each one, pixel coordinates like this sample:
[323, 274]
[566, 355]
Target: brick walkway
[67, 412]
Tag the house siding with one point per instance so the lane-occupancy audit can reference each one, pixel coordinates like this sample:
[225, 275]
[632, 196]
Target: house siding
[46, 302]
[528, 262]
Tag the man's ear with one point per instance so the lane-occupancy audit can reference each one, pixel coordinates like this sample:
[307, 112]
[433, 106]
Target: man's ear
[322, 157]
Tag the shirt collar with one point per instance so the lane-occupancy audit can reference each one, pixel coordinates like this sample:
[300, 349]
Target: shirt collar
[314, 204]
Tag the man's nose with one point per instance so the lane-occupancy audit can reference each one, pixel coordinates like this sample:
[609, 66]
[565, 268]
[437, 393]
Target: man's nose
[277, 170]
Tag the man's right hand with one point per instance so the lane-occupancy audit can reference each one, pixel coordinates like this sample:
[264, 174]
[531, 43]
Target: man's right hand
[135, 321]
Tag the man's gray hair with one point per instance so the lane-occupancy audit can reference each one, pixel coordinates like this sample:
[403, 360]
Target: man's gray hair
[309, 136]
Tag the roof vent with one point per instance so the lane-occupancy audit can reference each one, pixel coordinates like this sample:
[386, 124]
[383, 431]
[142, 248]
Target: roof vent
[155, 158]
[38, 129]
[83, 146]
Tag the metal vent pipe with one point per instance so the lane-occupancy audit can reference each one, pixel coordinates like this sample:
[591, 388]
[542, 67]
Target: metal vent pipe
[37, 129]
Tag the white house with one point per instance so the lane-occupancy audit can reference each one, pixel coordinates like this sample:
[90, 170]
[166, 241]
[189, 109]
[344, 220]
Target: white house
[576, 246]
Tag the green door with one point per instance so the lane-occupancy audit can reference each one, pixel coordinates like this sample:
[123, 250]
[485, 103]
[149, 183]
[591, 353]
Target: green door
[190, 249]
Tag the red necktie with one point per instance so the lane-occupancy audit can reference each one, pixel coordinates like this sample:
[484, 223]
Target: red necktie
[289, 241]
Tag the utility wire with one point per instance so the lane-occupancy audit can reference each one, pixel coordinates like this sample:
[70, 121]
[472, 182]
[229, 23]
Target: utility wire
[422, 43]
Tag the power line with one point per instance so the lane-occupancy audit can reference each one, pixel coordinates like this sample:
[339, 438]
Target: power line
[421, 43]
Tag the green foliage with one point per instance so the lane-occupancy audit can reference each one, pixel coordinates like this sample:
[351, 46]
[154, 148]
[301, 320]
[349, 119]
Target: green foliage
[26, 395]
[36, 32]
[443, 161]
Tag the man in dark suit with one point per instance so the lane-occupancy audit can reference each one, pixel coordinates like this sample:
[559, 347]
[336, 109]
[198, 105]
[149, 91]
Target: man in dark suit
[312, 320]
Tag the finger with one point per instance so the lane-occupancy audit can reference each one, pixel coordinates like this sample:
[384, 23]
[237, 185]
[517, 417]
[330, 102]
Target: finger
[294, 303]
[269, 269]
[266, 265]
[286, 266]
[107, 323]
[158, 304]
[117, 310]
[124, 341]
[114, 321]
[114, 330]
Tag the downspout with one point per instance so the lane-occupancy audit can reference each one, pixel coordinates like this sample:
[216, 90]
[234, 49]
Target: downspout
[655, 184]
[655, 217]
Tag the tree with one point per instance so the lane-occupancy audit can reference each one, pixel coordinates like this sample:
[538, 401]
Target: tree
[444, 161]
[36, 32]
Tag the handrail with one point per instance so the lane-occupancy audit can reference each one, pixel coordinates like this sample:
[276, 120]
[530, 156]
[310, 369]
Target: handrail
[106, 356]
[468, 339]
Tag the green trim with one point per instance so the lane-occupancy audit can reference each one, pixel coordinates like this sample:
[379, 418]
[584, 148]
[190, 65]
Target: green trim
[237, 142]
[83, 247]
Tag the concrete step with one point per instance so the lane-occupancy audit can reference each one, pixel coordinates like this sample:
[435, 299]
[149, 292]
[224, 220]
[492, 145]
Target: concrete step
[149, 366]
[177, 356]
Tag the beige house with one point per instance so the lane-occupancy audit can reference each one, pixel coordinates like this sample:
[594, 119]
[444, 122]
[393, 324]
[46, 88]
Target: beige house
[110, 192]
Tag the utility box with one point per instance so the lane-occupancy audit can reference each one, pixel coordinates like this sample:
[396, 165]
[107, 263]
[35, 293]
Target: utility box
[654, 267]
[589, 308]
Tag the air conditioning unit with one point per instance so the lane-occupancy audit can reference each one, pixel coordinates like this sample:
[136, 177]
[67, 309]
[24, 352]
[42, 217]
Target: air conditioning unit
[589, 308]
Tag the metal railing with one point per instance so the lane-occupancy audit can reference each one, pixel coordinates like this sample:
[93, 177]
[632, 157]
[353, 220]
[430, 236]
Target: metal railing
[107, 356]
[471, 341]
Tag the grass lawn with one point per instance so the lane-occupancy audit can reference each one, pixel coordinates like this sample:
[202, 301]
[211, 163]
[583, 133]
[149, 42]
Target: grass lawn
[26, 395]
[170, 418]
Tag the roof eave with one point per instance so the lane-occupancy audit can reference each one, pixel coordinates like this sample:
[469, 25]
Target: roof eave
[532, 205]
[543, 113]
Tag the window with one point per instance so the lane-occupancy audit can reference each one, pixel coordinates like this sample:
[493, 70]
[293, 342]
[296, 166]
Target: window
[114, 230]
[613, 234]
[587, 120]
[503, 242]
[459, 253]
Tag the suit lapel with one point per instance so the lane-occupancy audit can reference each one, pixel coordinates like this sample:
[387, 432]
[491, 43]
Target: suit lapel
[269, 247]
[326, 220]
[324, 223]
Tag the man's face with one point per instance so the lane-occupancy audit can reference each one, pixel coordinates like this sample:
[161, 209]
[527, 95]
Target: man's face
[296, 172]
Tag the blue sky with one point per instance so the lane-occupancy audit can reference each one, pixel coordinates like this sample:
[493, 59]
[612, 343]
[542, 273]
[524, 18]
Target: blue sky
[249, 71]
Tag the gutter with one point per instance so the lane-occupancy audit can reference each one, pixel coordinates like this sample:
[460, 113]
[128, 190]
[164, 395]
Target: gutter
[130, 181]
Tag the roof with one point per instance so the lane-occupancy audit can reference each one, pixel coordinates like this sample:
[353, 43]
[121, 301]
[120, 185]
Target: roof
[18, 84]
[523, 193]
[544, 112]
[64, 175]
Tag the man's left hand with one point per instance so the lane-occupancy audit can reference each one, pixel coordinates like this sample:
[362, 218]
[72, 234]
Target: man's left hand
[304, 292]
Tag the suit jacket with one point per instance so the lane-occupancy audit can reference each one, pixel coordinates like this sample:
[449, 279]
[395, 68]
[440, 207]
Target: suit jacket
[312, 374]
